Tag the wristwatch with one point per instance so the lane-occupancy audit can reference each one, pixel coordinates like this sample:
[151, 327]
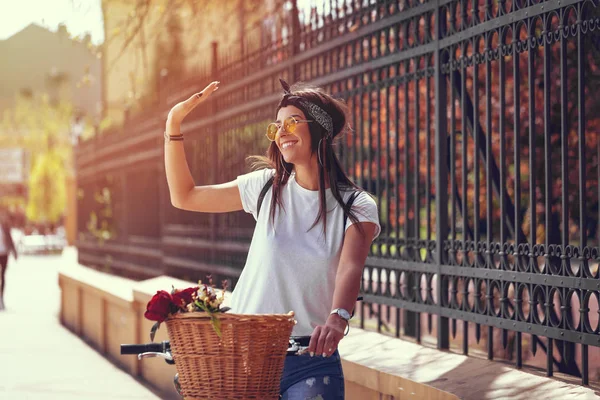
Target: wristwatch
[345, 315]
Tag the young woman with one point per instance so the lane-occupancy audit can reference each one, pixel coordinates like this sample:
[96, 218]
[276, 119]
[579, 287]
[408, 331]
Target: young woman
[313, 232]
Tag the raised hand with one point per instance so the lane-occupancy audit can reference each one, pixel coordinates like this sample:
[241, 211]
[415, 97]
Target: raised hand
[182, 109]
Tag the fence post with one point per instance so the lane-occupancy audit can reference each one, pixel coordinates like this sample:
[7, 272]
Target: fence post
[163, 202]
[214, 147]
[124, 215]
[441, 179]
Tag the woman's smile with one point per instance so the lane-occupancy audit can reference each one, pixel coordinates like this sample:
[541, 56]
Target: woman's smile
[288, 144]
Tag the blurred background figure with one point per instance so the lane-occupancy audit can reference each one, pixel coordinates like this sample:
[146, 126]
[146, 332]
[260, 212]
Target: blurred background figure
[6, 247]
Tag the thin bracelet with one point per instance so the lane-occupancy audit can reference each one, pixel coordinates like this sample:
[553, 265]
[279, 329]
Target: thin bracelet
[169, 138]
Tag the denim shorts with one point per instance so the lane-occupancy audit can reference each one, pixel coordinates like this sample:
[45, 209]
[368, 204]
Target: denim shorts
[312, 378]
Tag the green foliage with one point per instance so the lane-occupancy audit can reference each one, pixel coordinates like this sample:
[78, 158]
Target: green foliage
[100, 224]
[105, 125]
[42, 127]
[37, 123]
[47, 191]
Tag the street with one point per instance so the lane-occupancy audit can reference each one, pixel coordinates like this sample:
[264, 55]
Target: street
[40, 358]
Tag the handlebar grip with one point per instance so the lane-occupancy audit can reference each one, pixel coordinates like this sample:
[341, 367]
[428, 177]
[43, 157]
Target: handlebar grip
[145, 348]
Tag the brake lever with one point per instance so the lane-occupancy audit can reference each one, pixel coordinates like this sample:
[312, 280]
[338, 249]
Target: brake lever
[168, 357]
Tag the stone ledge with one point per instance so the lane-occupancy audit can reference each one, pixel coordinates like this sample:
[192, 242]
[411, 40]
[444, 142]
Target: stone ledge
[449, 373]
[100, 282]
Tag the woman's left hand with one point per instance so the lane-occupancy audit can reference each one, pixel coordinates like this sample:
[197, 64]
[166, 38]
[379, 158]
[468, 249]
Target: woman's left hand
[325, 338]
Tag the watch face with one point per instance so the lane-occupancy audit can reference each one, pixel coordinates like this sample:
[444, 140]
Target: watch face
[344, 314]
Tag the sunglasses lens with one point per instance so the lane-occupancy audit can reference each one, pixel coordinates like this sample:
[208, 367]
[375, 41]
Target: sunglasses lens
[272, 131]
[290, 124]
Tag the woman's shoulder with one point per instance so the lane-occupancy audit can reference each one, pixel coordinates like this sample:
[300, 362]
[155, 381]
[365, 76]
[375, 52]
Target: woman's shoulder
[259, 175]
[358, 194]
[266, 173]
[364, 199]
[253, 182]
[251, 185]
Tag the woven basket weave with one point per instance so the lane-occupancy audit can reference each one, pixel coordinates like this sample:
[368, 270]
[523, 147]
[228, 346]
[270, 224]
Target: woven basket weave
[246, 362]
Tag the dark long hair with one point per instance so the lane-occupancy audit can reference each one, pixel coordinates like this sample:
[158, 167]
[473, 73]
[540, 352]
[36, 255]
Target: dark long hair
[338, 180]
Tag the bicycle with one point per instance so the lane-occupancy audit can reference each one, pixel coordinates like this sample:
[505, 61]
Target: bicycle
[297, 346]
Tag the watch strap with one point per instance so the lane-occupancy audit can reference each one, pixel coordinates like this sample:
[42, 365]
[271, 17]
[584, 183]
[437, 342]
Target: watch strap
[337, 311]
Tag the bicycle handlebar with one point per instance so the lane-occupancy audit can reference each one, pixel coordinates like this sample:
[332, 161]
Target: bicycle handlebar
[298, 345]
[162, 347]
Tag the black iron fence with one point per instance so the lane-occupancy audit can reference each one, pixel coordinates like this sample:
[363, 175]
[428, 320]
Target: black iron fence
[475, 127]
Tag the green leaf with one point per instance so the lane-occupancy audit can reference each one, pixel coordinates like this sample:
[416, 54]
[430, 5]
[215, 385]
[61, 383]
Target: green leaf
[153, 331]
[216, 323]
[201, 306]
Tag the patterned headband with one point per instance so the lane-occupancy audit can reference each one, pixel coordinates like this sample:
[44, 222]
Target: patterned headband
[320, 116]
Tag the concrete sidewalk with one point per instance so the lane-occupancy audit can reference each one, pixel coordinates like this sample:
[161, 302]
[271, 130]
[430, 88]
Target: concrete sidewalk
[39, 358]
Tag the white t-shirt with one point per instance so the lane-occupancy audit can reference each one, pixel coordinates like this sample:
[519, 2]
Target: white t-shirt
[290, 268]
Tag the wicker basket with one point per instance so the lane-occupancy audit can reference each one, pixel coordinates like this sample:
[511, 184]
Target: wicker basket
[245, 363]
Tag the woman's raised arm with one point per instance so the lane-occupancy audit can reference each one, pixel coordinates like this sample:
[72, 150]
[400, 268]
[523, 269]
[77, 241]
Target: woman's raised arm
[182, 189]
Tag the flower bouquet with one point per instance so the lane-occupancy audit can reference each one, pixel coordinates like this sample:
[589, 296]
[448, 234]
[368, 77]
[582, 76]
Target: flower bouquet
[203, 297]
[221, 355]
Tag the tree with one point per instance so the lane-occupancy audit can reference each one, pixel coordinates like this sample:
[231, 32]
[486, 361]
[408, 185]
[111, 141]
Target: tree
[169, 56]
[42, 126]
[47, 191]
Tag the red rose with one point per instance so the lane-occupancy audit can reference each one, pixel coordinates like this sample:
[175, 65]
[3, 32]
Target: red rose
[159, 306]
[182, 298]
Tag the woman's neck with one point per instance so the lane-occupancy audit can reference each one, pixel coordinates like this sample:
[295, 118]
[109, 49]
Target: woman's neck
[307, 176]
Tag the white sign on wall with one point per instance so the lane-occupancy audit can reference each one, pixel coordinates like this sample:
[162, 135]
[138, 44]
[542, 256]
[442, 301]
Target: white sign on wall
[13, 166]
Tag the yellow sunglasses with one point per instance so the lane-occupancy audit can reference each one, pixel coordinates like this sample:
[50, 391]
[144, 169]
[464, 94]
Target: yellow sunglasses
[289, 125]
